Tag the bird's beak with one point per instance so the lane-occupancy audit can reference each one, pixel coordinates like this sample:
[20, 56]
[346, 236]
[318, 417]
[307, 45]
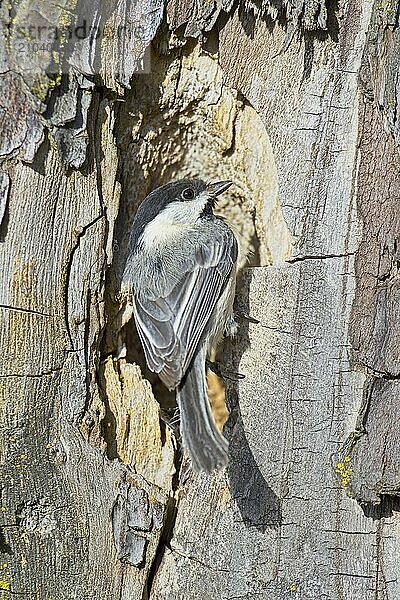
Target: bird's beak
[218, 187]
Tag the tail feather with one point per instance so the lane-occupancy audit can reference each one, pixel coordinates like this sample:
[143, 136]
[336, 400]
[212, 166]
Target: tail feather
[207, 448]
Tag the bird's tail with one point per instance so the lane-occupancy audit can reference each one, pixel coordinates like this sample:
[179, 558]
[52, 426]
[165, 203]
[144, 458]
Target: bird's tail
[207, 448]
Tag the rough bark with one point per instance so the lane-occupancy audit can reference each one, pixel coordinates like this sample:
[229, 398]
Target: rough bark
[298, 103]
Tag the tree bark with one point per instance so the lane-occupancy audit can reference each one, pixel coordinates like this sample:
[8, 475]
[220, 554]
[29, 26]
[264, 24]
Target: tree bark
[298, 104]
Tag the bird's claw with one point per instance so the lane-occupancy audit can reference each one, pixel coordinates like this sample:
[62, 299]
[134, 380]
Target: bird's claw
[243, 315]
[223, 372]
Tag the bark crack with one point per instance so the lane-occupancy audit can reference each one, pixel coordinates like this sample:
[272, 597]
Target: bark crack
[33, 375]
[164, 542]
[27, 310]
[318, 257]
[197, 560]
[358, 575]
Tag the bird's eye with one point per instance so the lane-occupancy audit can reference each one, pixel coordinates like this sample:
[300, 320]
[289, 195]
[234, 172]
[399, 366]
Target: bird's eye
[188, 194]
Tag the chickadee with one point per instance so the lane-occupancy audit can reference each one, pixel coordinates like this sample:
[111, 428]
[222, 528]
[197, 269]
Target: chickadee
[181, 270]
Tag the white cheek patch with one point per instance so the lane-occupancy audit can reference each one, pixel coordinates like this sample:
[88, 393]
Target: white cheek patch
[160, 232]
[176, 218]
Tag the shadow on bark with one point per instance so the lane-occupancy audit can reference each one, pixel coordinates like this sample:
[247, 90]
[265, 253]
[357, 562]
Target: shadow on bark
[258, 504]
[5, 547]
[388, 506]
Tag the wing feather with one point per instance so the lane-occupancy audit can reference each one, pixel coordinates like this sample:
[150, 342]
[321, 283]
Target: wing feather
[171, 327]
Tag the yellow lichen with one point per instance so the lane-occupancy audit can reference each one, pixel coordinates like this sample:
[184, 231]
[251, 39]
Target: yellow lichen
[345, 471]
[293, 588]
[4, 584]
[54, 80]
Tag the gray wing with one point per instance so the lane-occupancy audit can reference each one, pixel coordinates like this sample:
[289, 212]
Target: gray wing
[171, 327]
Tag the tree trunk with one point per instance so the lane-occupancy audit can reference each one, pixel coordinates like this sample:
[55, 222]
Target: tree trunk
[298, 104]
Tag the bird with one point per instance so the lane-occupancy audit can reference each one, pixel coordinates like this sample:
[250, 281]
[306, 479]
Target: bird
[181, 273]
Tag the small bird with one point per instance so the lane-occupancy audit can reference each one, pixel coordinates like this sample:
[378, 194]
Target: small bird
[181, 271]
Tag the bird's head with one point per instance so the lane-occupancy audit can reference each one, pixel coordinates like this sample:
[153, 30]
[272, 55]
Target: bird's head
[178, 203]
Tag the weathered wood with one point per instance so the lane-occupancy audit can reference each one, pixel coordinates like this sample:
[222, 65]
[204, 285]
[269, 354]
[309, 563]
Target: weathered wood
[380, 73]
[375, 313]
[375, 310]
[279, 525]
[59, 491]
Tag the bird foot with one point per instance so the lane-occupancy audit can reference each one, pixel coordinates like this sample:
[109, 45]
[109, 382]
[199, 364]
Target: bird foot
[223, 372]
[246, 316]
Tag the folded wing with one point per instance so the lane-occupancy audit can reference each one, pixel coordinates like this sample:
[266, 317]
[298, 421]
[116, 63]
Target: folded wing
[171, 327]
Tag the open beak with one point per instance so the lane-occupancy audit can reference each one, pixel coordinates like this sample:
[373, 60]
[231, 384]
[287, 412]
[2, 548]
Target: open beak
[218, 187]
